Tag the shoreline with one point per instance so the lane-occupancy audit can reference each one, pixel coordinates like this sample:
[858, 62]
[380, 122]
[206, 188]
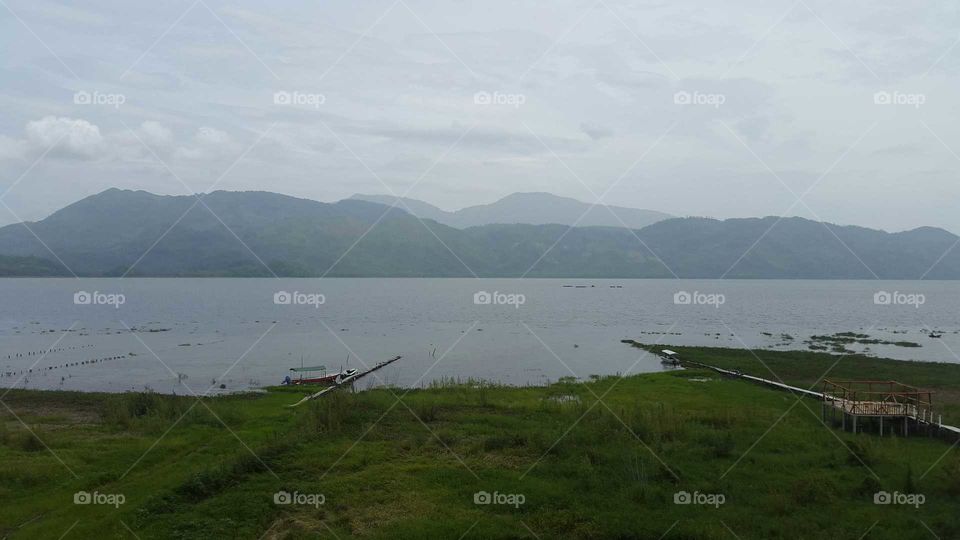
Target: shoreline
[614, 453]
[799, 351]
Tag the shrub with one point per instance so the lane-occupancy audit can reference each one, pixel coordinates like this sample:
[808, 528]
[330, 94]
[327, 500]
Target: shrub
[331, 413]
[499, 442]
[426, 411]
[720, 445]
[869, 486]
[909, 485]
[30, 443]
[811, 490]
[861, 453]
[951, 472]
[125, 410]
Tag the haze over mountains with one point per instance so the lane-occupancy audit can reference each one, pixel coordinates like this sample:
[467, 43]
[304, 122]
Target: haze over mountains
[528, 208]
[223, 233]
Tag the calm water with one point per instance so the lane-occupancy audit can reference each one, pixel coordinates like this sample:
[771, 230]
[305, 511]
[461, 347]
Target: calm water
[208, 332]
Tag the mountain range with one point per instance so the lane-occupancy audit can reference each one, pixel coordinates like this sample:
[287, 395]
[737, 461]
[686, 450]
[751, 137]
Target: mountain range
[527, 208]
[136, 233]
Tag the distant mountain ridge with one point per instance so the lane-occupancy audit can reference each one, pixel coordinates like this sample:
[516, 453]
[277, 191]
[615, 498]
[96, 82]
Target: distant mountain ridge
[223, 233]
[529, 209]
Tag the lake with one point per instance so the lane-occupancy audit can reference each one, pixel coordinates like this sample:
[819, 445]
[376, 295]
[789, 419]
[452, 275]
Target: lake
[135, 333]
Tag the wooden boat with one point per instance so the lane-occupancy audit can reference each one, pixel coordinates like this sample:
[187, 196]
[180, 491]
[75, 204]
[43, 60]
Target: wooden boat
[351, 376]
[669, 357]
[311, 375]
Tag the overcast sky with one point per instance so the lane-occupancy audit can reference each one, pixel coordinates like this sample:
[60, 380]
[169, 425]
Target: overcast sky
[723, 109]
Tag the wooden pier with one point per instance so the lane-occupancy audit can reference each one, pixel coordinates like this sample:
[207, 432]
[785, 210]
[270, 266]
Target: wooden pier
[891, 404]
[348, 381]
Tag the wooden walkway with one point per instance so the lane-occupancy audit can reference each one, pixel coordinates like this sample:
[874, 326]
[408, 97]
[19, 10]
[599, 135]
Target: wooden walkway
[953, 431]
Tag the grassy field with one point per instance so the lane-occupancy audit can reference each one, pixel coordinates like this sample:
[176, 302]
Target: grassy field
[602, 458]
[808, 369]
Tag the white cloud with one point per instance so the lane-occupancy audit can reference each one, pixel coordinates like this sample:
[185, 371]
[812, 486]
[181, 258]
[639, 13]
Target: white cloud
[67, 136]
[212, 137]
[208, 144]
[11, 148]
[595, 131]
[76, 138]
[155, 134]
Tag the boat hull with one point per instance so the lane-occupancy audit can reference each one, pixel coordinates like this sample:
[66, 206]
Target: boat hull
[326, 379]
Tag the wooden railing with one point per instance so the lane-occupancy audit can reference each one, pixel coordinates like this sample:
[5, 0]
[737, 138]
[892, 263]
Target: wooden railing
[879, 398]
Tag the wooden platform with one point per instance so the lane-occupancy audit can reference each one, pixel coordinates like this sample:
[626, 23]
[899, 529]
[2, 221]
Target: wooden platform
[874, 408]
[874, 403]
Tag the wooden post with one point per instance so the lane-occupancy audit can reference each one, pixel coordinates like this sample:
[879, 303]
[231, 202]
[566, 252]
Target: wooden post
[906, 421]
[854, 423]
[844, 421]
[881, 427]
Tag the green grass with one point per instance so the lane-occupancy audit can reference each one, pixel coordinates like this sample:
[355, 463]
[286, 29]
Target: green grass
[410, 469]
[807, 369]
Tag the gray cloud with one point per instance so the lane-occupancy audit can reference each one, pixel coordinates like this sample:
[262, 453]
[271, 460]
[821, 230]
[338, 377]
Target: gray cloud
[598, 88]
